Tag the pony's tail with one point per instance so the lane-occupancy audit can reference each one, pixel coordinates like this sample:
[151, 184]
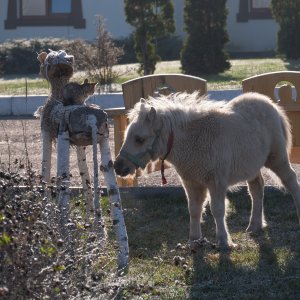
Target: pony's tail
[287, 130]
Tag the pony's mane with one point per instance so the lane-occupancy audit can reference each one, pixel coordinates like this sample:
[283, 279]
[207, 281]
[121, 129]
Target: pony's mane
[180, 107]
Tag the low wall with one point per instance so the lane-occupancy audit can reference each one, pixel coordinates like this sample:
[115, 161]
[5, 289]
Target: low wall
[26, 106]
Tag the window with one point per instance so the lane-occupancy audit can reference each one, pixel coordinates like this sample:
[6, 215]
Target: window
[254, 9]
[44, 13]
[33, 8]
[59, 6]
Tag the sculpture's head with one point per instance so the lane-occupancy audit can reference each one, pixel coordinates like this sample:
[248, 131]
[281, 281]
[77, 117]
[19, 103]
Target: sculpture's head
[56, 64]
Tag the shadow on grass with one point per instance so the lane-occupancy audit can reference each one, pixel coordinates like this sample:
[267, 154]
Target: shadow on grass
[156, 222]
[293, 64]
[263, 266]
[221, 78]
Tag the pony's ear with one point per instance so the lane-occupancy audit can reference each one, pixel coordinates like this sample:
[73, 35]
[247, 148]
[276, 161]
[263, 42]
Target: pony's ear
[151, 114]
[86, 81]
[41, 57]
[142, 103]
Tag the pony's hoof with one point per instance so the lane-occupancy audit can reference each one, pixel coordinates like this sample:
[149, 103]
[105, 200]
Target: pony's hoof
[254, 228]
[226, 247]
[194, 245]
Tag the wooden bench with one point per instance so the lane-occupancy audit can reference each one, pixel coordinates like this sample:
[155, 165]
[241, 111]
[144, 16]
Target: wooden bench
[282, 87]
[143, 87]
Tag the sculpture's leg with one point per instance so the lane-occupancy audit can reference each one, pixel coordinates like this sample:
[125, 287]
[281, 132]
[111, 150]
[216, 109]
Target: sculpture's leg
[46, 156]
[63, 182]
[85, 178]
[97, 207]
[115, 202]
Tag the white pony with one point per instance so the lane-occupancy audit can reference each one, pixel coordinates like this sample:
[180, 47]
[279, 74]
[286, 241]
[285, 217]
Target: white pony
[212, 145]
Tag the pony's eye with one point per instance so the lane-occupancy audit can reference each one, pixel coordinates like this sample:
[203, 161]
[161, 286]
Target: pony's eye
[139, 140]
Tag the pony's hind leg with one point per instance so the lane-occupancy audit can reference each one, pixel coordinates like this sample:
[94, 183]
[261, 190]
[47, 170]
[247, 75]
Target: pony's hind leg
[256, 189]
[289, 179]
[196, 196]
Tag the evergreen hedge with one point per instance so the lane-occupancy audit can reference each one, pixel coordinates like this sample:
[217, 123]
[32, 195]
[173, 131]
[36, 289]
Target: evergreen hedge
[20, 56]
[152, 20]
[205, 24]
[287, 14]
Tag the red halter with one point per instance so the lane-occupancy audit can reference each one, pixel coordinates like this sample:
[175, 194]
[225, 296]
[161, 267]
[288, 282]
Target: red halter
[169, 147]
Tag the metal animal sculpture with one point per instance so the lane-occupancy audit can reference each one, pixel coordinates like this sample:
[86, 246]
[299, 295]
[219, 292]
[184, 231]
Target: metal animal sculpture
[57, 68]
[79, 125]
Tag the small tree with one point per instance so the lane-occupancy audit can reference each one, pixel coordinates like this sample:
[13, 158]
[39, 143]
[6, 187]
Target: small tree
[287, 14]
[203, 51]
[98, 58]
[152, 19]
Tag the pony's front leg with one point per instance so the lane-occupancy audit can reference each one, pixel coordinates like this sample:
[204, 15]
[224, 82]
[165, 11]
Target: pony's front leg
[196, 196]
[85, 178]
[217, 206]
[46, 155]
[256, 189]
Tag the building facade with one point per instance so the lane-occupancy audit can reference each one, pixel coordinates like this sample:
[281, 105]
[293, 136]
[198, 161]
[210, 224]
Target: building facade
[250, 25]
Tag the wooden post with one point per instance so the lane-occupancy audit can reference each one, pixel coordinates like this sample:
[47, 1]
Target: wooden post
[46, 156]
[115, 203]
[120, 124]
[63, 181]
[85, 178]
[92, 121]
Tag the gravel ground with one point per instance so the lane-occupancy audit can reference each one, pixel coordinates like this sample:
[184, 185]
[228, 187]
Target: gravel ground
[15, 134]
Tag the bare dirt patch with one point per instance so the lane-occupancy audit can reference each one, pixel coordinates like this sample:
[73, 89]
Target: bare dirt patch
[17, 135]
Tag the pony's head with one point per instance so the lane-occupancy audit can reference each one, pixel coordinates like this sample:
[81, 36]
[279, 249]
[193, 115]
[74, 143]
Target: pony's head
[141, 140]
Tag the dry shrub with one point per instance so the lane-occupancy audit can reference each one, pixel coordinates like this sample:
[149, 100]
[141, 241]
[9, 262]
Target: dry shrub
[98, 58]
[37, 259]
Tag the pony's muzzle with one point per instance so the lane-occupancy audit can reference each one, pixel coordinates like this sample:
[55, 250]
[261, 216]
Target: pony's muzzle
[122, 168]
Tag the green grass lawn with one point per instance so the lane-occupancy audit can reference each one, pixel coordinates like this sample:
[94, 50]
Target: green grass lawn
[263, 266]
[240, 69]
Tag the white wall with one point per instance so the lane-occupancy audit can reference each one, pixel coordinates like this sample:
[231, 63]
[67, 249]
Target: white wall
[112, 10]
[178, 16]
[251, 36]
[20, 105]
